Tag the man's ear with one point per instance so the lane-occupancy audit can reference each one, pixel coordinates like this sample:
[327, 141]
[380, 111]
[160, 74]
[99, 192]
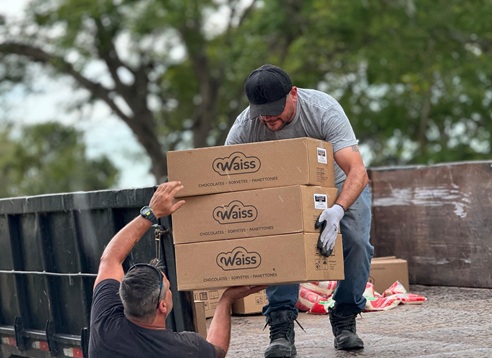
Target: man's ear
[163, 307]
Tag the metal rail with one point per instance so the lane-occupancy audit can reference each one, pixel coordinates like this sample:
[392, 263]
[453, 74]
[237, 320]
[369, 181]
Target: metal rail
[46, 273]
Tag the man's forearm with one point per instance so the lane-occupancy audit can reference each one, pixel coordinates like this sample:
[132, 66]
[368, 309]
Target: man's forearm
[219, 333]
[354, 184]
[123, 242]
[162, 204]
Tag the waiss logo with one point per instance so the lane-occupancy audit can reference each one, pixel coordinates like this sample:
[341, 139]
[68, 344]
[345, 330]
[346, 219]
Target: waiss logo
[236, 163]
[235, 212]
[238, 259]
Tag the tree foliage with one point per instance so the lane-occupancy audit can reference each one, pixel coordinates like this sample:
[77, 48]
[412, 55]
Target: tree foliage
[413, 76]
[50, 158]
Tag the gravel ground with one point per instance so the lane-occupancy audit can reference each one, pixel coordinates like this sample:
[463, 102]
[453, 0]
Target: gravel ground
[454, 322]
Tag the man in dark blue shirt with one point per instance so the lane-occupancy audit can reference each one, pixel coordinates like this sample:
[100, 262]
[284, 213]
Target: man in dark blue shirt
[128, 316]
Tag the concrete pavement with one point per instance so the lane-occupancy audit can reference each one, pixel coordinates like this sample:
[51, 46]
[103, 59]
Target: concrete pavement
[453, 322]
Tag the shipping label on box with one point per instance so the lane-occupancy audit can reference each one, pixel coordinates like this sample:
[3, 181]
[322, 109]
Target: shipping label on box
[210, 299]
[251, 213]
[251, 166]
[386, 271]
[261, 260]
[250, 304]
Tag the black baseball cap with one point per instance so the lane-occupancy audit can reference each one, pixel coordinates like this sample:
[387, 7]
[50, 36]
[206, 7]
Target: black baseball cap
[267, 88]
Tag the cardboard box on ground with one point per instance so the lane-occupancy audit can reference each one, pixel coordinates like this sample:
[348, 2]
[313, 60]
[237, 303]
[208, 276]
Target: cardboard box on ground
[386, 270]
[251, 304]
[234, 249]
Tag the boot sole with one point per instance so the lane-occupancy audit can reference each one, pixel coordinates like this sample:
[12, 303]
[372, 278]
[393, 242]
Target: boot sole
[349, 344]
[281, 353]
[349, 348]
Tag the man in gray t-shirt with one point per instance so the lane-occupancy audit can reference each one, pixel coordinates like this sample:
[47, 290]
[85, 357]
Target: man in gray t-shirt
[279, 110]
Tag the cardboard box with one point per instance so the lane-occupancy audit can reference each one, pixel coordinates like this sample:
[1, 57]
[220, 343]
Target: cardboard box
[261, 260]
[210, 298]
[386, 270]
[199, 319]
[251, 166]
[250, 304]
[251, 213]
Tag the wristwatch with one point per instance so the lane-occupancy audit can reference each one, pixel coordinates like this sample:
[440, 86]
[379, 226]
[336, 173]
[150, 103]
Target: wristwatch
[146, 212]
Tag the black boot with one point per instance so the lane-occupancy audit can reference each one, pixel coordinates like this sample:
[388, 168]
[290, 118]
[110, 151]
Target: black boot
[281, 335]
[344, 330]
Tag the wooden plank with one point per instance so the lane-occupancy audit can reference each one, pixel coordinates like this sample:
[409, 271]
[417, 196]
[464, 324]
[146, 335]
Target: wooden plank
[438, 218]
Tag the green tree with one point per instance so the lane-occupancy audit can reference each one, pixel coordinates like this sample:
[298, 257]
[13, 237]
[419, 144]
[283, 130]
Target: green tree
[167, 101]
[413, 76]
[50, 158]
[420, 90]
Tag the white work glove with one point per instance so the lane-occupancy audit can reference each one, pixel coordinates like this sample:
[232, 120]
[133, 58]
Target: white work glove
[328, 222]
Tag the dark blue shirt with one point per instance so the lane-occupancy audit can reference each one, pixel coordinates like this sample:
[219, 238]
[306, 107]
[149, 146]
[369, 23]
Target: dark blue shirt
[113, 335]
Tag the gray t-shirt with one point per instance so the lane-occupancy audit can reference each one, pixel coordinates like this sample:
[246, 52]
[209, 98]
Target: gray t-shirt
[318, 116]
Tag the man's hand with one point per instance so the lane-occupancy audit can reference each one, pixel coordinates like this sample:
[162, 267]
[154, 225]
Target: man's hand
[234, 293]
[328, 223]
[162, 202]
[219, 332]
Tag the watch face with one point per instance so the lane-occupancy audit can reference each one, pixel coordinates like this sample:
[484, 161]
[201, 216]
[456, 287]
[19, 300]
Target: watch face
[147, 213]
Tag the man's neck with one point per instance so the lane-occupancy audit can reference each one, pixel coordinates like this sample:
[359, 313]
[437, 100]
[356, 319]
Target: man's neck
[156, 323]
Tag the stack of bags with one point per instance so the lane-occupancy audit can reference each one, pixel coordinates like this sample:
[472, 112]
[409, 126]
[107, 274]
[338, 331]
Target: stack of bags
[316, 297]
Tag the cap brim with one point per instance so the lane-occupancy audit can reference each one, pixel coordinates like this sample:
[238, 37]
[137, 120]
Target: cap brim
[267, 109]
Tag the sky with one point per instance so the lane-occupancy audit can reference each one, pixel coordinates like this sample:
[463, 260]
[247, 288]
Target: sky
[104, 133]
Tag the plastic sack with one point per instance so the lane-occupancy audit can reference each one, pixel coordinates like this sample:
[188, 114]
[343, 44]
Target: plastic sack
[322, 288]
[316, 297]
[398, 291]
[322, 307]
[307, 299]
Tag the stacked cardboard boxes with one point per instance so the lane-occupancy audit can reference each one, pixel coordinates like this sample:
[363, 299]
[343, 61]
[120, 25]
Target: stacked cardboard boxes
[250, 212]
[199, 318]
[206, 302]
[210, 299]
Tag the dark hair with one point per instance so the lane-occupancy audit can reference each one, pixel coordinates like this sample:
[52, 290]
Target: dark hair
[139, 290]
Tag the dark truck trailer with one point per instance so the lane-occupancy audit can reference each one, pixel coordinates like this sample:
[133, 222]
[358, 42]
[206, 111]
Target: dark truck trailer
[50, 247]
